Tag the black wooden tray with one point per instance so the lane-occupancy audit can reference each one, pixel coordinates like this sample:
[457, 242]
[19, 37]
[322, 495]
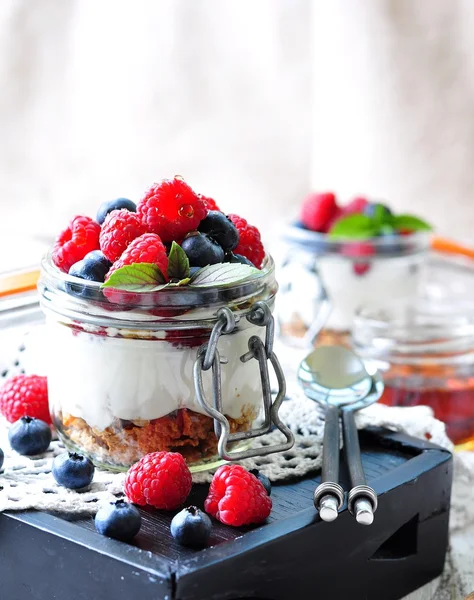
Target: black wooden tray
[294, 556]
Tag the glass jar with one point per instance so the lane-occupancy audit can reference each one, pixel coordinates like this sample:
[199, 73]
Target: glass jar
[120, 365]
[426, 353]
[324, 281]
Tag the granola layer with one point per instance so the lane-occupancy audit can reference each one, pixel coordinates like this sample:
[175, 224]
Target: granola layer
[125, 442]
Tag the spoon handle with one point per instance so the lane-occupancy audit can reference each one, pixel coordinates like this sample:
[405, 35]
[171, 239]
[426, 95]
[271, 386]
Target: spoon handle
[330, 471]
[362, 499]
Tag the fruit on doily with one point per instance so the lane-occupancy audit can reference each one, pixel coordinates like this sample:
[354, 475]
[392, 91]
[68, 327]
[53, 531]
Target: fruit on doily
[221, 229]
[23, 395]
[108, 206]
[191, 527]
[119, 520]
[29, 436]
[160, 479]
[72, 470]
[236, 497]
[263, 480]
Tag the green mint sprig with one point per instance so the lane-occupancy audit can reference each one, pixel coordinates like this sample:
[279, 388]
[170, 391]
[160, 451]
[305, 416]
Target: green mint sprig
[147, 277]
[381, 222]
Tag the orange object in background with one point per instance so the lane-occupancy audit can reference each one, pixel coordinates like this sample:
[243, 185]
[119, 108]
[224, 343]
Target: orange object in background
[447, 246]
[18, 282]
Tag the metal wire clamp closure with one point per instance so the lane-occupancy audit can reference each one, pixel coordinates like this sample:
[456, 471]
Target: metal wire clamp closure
[208, 358]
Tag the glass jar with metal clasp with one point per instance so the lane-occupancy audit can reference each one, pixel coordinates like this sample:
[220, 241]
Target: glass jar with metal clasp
[184, 370]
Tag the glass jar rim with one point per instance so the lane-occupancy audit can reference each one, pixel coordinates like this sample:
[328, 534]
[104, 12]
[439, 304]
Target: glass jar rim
[384, 246]
[429, 330]
[168, 304]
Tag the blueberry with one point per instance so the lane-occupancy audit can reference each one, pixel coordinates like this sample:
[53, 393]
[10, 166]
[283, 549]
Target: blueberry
[29, 436]
[238, 258]
[73, 471]
[2, 456]
[221, 229]
[93, 267]
[202, 250]
[119, 520]
[191, 527]
[111, 205]
[299, 225]
[193, 270]
[263, 480]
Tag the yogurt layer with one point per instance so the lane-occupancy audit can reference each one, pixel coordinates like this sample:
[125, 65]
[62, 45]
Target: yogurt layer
[101, 378]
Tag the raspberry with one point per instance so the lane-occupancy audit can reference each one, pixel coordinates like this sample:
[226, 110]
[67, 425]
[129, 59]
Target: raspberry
[119, 229]
[148, 248]
[358, 250]
[78, 239]
[160, 479]
[318, 211]
[250, 244]
[355, 206]
[210, 203]
[25, 395]
[236, 497]
[171, 209]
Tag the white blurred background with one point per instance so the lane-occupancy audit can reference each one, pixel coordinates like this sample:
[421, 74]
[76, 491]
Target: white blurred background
[254, 102]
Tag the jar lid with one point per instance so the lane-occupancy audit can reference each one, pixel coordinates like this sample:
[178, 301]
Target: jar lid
[441, 330]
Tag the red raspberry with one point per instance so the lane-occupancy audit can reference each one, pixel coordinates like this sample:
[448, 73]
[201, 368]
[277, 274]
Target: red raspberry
[119, 229]
[160, 479]
[210, 203]
[318, 210]
[148, 248]
[355, 206]
[236, 497]
[250, 244]
[358, 250]
[78, 239]
[25, 395]
[171, 209]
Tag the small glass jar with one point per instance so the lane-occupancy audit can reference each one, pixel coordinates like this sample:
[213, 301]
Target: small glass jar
[324, 281]
[426, 353]
[120, 365]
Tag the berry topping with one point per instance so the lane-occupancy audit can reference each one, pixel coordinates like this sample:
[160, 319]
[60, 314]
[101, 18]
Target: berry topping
[357, 251]
[120, 228]
[171, 209]
[191, 527]
[160, 479]
[119, 520]
[263, 480]
[29, 436]
[72, 244]
[221, 229]
[25, 395]
[236, 497]
[148, 248]
[250, 244]
[355, 206]
[238, 258]
[107, 207]
[93, 267]
[379, 211]
[202, 250]
[73, 471]
[209, 202]
[318, 211]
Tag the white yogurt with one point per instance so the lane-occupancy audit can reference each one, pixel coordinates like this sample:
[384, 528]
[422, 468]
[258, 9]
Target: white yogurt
[101, 378]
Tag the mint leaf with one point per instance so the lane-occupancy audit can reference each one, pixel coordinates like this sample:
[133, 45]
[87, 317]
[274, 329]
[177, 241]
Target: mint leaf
[381, 215]
[354, 227]
[178, 263]
[139, 277]
[222, 274]
[410, 223]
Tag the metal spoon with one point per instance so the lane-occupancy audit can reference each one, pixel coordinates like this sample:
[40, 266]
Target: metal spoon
[341, 383]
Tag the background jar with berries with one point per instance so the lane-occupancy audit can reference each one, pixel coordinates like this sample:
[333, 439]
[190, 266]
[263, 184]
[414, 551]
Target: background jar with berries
[337, 259]
[157, 315]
